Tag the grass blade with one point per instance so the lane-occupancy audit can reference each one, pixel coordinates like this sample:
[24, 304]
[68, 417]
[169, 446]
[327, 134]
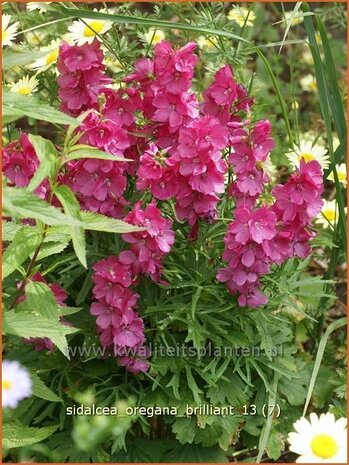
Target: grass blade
[320, 353]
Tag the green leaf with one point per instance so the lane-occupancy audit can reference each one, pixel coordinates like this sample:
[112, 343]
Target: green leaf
[275, 445]
[86, 151]
[19, 105]
[21, 203]
[72, 208]
[27, 325]
[96, 222]
[39, 389]
[320, 353]
[25, 242]
[9, 230]
[231, 391]
[150, 22]
[185, 429]
[11, 59]
[264, 438]
[15, 434]
[47, 154]
[52, 248]
[41, 300]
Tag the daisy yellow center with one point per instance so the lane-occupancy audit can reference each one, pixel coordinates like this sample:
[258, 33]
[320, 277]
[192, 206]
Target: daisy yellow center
[306, 157]
[342, 176]
[6, 385]
[25, 90]
[52, 57]
[97, 26]
[313, 85]
[157, 37]
[4, 35]
[324, 446]
[330, 215]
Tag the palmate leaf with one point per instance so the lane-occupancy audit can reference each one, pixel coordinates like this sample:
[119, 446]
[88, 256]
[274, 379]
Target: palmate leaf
[15, 434]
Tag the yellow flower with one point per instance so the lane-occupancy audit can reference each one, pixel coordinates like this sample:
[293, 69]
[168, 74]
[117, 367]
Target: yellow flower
[154, 36]
[206, 42]
[43, 63]
[25, 86]
[308, 152]
[238, 14]
[320, 440]
[342, 174]
[86, 31]
[8, 33]
[308, 83]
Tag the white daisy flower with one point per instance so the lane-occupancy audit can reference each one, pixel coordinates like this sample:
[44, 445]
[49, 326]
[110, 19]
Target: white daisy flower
[16, 383]
[297, 19]
[329, 213]
[35, 37]
[85, 32]
[25, 86]
[320, 440]
[8, 33]
[43, 63]
[308, 152]
[206, 42]
[308, 83]
[342, 174]
[268, 167]
[154, 36]
[307, 57]
[41, 6]
[238, 14]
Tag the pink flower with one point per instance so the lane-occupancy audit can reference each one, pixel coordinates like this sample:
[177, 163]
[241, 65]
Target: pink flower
[262, 225]
[224, 88]
[113, 271]
[20, 161]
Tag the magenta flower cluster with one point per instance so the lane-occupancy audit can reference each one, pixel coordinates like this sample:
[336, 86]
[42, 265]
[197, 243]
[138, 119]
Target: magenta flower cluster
[171, 144]
[118, 324]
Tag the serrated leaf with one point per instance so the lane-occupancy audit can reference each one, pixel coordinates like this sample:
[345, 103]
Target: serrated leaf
[27, 325]
[86, 151]
[53, 248]
[9, 230]
[72, 208]
[40, 390]
[41, 300]
[19, 105]
[96, 222]
[17, 435]
[25, 242]
[21, 203]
